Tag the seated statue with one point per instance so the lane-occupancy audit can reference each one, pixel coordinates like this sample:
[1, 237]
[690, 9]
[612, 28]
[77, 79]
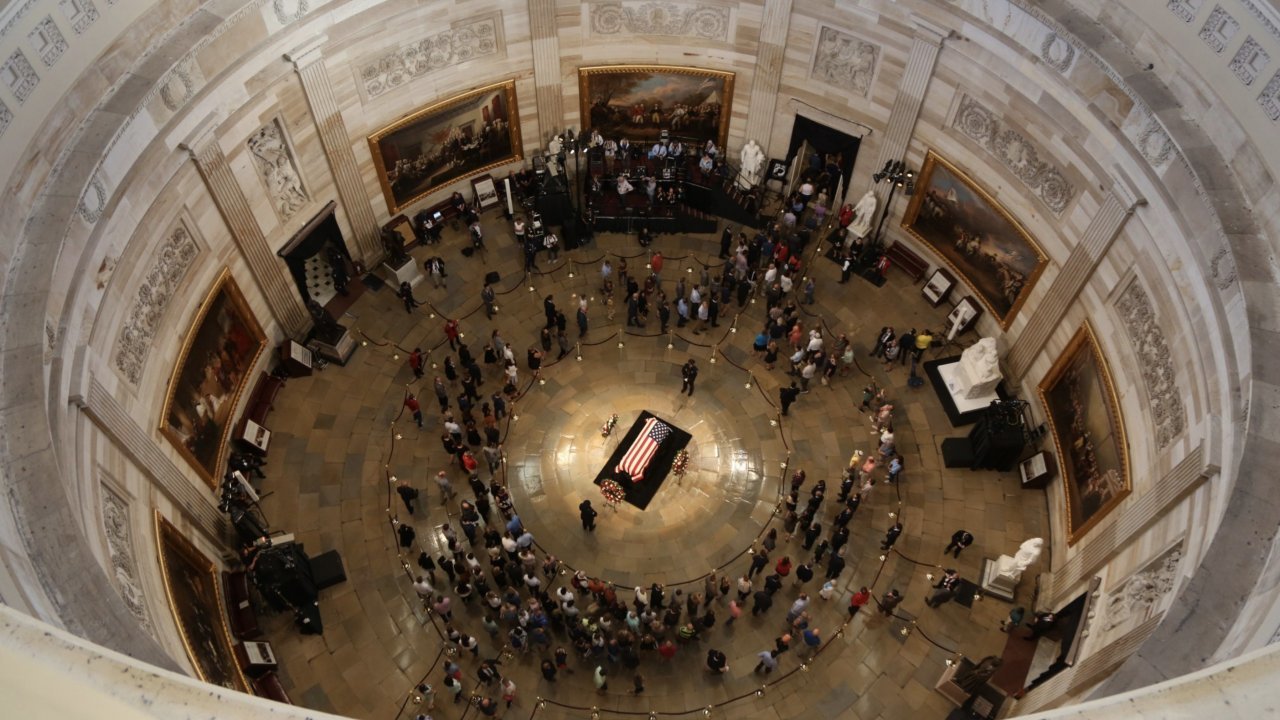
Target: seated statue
[394, 245]
[979, 369]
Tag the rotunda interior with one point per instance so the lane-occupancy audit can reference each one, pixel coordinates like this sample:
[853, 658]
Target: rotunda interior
[213, 211]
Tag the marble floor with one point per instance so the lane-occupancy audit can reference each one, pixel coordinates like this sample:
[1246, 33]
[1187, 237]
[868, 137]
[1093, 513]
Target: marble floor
[339, 433]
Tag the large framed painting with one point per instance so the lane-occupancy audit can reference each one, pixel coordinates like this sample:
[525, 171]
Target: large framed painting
[466, 135]
[638, 102]
[221, 348]
[194, 594]
[976, 237]
[1084, 417]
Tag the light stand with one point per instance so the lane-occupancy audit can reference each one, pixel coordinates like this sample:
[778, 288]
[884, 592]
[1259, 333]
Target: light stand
[895, 173]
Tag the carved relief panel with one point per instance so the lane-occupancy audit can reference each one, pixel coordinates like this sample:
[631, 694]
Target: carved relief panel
[169, 264]
[1164, 396]
[845, 61]
[277, 169]
[124, 569]
[1130, 603]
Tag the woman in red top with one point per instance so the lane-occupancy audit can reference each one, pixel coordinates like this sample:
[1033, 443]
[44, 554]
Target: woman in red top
[783, 567]
[451, 332]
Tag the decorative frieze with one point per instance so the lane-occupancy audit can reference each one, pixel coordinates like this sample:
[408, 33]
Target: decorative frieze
[1249, 61]
[19, 76]
[181, 84]
[981, 124]
[1269, 98]
[47, 41]
[1136, 599]
[169, 265]
[844, 61]
[1164, 397]
[1218, 29]
[707, 22]
[115, 521]
[1184, 10]
[459, 44]
[277, 169]
[6, 117]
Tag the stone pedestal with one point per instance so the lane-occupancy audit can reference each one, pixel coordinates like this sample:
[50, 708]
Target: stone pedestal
[408, 272]
[1000, 577]
[335, 346]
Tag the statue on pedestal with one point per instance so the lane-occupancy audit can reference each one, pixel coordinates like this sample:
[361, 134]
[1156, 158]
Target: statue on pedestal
[1011, 568]
[979, 369]
[752, 170]
[394, 245]
[862, 212]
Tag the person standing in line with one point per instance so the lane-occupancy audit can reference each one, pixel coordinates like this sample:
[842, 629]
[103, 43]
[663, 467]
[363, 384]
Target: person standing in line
[960, 540]
[835, 565]
[488, 296]
[889, 601]
[858, 600]
[414, 407]
[582, 317]
[451, 331]
[588, 515]
[788, 395]
[891, 536]
[945, 589]
[415, 363]
[688, 374]
[406, 294]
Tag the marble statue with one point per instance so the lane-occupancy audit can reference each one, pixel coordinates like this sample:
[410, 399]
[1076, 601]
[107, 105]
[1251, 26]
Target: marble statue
[1010, 569]
[862, 213]
[979, 370]
[752, 165]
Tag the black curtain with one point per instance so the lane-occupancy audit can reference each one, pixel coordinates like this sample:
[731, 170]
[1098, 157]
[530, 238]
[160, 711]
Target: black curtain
[824, 141]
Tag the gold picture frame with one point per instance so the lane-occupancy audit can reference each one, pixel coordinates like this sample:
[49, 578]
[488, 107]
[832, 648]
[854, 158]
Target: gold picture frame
[608, 94]
[218, 355]
[1080, 403]
[976, 237]
[461, 137]
[194, 593]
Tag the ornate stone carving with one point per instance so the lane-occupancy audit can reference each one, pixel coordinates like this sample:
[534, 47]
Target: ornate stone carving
[1249, 61]
[1222, 268]
[80, 13]
[1016, 152]
[285, 15]
[17, 15]
[444, 49]
[19, 76]
[844, 61]
[115, 520]
[1218, 29]
[1261, 15]
[277, 169]
[1269, 98]
[180, 84]
[1133, 601]
[1057, 52]
[1184, 10]
[47, 40]
[6, 117]
[1154, 143]
[708, 22]
[1164, 397]
[93, 201]
[169, 265]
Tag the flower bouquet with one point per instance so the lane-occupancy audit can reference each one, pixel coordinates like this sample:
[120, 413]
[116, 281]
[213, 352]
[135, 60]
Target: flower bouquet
[612, 491]
[607, 429]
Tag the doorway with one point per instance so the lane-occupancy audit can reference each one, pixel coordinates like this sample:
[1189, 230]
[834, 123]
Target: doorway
[825, 156]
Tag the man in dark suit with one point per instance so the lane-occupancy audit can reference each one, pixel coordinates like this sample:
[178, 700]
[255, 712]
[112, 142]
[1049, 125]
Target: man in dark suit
[960, 540]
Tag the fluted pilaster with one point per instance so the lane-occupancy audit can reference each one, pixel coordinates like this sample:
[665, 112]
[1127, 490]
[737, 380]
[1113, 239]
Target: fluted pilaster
[925, 46]
[336, 142]
[547, 84]
[268, 270]
[768, 71]
[1116, 208]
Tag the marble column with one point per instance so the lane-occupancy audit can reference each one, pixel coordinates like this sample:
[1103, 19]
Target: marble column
[770, 53]
[896, 136]
[268, 270]
[336, 141]
[1117, 207]
[547, 84]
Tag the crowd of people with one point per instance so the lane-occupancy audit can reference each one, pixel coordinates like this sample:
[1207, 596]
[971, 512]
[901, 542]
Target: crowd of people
[496, 594]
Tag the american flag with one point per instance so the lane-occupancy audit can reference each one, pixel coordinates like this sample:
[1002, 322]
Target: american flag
[642, 450]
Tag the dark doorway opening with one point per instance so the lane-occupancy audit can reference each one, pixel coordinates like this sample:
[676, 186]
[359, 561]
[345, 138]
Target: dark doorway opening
[826, 155]
[321, 265]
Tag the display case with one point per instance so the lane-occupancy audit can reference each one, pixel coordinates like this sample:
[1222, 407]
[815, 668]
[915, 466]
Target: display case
[938, 288]
[962, 316]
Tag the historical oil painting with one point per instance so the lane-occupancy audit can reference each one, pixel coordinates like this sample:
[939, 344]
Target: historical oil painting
[453, 139]
[1084, 417]
[638, 102]
[977, 237]
[221, 348]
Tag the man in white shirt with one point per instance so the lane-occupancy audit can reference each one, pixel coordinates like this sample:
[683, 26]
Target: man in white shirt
[806, 192]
